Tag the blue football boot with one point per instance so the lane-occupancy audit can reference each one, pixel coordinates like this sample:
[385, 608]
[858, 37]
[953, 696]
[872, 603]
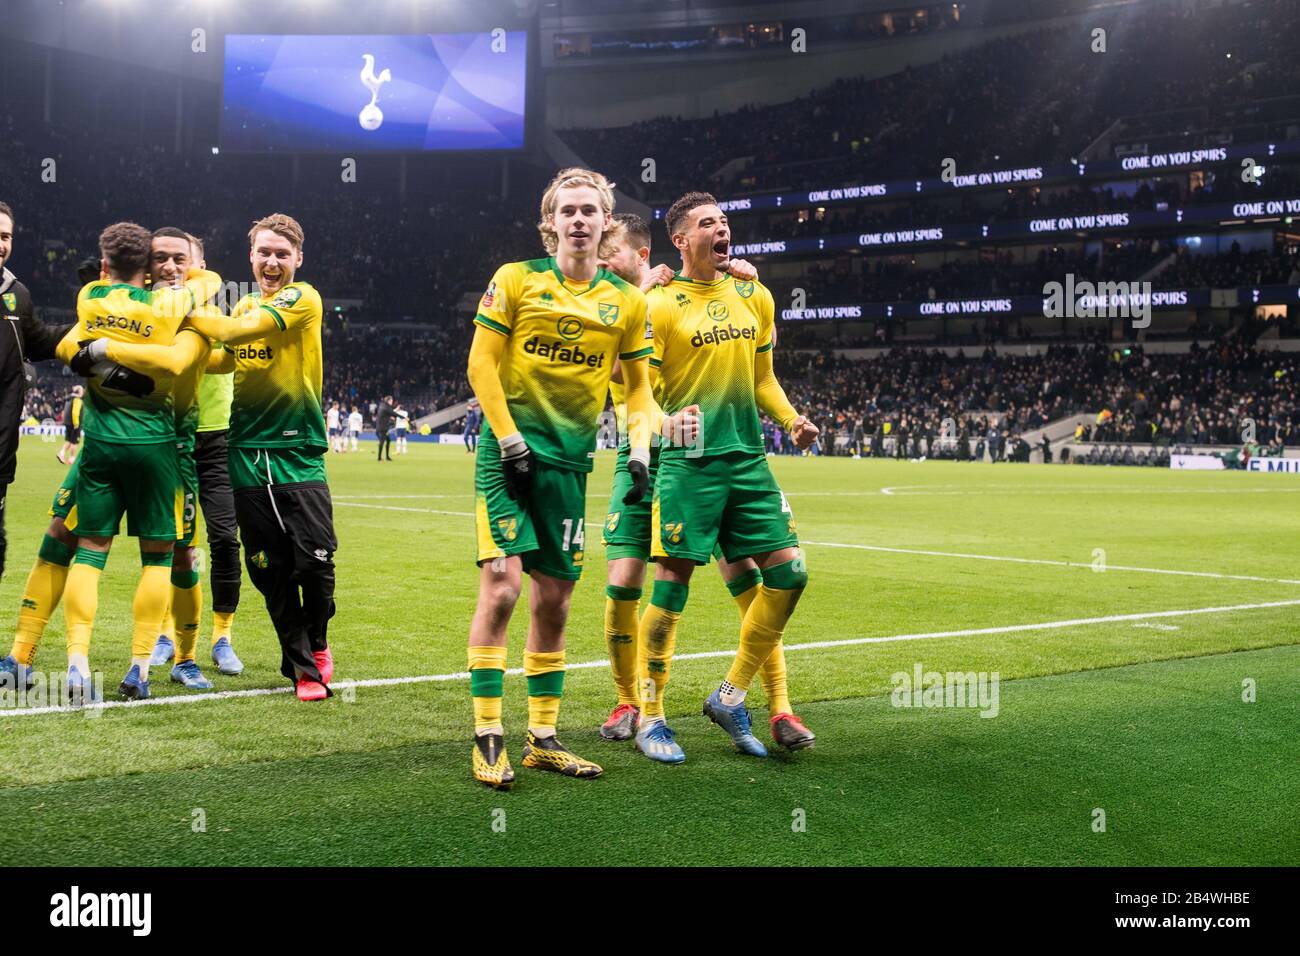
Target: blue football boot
[11, 672]
[163, 651]
[223, 655]
[657, 743]
[188, 675]
[133, 686]
[735, 721]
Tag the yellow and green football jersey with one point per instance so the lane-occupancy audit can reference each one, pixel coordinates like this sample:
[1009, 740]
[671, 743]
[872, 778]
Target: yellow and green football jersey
[618, 395]
[277, 390]
[127, 313]
[216, 391]
[706, 335]
[563, 338]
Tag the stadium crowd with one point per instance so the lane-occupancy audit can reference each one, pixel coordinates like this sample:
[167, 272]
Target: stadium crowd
[1010, 101]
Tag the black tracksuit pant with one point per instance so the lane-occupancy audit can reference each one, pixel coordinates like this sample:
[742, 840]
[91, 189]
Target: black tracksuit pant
[218, 503]
[289, 546]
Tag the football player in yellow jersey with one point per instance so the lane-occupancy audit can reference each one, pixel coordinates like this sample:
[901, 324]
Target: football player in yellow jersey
[547, 334]
[713, 339]
[277, 447]
[627, 548]
[171, 256]
[129, 463]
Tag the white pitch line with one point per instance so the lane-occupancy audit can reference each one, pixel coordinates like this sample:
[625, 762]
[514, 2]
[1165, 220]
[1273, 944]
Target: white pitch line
[698, 655]
[931, 554]
[894, 491]
[467, 494]
[1051, 563]
[422, 511]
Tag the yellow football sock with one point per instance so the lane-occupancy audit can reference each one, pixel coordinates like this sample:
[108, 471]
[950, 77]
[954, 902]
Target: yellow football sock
[656, 641]
[621, 639]
[765, 621]
[81, 599]
[149, 606]
[41, 595]
[772, 674]
[187, 605]
[545, 673]
[487, 669]
[222, 622]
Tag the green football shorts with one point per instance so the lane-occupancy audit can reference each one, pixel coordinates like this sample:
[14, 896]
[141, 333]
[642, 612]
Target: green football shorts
[65, 499]
[189, 475]
[732, 501]
[141, 480]
[627, 527]
[548, 534]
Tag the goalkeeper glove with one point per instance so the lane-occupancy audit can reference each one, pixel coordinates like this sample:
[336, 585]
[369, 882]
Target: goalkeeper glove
[638, 468]
[517, 464]
[89, 352]
[122, 379]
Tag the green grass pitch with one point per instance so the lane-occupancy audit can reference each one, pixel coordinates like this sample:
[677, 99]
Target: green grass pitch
[1103, 705]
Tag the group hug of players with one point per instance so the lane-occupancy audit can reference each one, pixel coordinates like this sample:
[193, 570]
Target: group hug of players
[186, 406]
[687, 356]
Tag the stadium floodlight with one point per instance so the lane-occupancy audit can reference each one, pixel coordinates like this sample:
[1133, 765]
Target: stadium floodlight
[215, 150]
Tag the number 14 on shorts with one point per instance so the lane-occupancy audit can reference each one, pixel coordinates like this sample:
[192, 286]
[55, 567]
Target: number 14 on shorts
[573, 534]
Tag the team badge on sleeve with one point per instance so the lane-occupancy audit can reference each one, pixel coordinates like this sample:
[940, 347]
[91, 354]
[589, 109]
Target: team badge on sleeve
[286, 298]
[489, 295]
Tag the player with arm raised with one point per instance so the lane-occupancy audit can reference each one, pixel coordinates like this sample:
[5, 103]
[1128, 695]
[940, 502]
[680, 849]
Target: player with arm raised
[713, 338]
[277, 446]
[627, 548]
[547, 334]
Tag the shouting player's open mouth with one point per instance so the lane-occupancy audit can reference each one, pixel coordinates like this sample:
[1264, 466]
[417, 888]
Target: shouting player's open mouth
[721, 250]
[578, 238]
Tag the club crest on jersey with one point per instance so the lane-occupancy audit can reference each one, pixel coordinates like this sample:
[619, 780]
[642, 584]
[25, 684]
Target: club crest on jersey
[608, 313]
[286, 298]
[717, 311]
[569, 327]
[489, 295]
[11, 301]
[745, 288]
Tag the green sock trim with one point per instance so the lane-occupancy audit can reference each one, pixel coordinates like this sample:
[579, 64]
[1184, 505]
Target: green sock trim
[54, 551]
[154, 559]
[486, 682]
[95, 559]
[750, 579]
[784, 577]
[550, 684]
[184, 579]
[616, 593]
[670, 596]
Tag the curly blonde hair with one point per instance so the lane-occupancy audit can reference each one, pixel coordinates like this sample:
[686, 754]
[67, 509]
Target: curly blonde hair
[577, 176]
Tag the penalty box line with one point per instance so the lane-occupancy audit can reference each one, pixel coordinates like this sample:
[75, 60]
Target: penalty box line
[698, 655]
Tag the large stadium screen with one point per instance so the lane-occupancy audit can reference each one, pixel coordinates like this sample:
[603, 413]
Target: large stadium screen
[422, 92]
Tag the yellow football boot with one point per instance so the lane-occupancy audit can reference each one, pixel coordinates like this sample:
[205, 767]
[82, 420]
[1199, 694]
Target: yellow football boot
[547, 753]
[491, 765]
